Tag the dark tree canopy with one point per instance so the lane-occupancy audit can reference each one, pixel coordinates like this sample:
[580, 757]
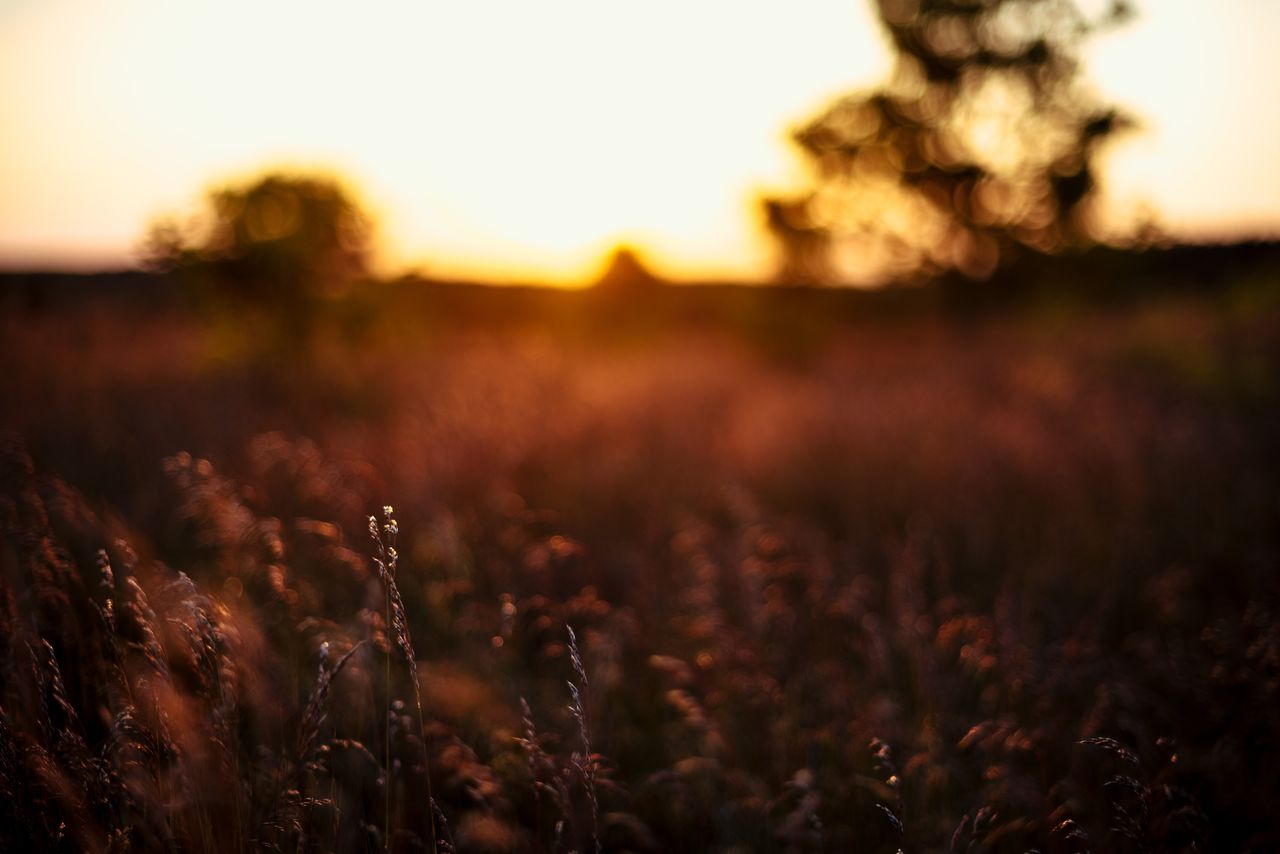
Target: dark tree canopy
[626, 272]
[276, 241]
[981, 144]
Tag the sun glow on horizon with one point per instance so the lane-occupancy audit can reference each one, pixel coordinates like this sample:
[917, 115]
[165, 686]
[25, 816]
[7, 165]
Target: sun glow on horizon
[516, 141]
[490, 139]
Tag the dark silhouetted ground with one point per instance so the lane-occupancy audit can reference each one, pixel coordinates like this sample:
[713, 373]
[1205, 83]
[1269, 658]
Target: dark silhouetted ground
[993, 570]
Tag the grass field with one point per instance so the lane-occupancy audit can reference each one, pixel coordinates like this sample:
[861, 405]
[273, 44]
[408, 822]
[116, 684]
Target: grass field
[914, 580]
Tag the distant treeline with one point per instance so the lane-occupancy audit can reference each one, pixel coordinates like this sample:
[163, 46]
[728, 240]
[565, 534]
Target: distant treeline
[1101, 276]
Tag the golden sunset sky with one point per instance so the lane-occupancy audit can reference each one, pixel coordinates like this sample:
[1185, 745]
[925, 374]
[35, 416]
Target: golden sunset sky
[522, 139]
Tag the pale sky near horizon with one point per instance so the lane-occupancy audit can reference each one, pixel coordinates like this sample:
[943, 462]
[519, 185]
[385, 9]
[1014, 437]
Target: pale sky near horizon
[523, 139]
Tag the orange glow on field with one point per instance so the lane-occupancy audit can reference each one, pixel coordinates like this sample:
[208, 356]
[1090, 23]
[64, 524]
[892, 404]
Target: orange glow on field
[521, 140]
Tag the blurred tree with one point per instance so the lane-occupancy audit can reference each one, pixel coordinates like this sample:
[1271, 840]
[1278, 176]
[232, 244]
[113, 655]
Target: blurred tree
[626, 271]
[982, 143]
[274, 244]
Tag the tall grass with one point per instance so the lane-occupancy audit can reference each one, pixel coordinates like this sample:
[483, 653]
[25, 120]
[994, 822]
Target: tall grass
[986, 588]
[387, 560]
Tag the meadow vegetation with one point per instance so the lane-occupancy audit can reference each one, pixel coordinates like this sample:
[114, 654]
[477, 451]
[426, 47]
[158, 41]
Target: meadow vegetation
[920, 582]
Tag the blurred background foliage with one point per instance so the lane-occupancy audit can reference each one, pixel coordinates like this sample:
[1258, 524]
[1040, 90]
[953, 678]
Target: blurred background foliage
[273, 246]
[981, 144]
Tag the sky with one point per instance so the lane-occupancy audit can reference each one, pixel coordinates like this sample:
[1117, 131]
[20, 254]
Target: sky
[522, 140]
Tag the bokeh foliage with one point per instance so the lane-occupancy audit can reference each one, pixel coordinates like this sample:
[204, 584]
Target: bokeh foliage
[983, 142]
[273, 246]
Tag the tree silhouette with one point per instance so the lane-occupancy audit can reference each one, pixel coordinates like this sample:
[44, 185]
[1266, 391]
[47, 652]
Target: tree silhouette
[276, 244]
[980, 145]
[626, 272]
